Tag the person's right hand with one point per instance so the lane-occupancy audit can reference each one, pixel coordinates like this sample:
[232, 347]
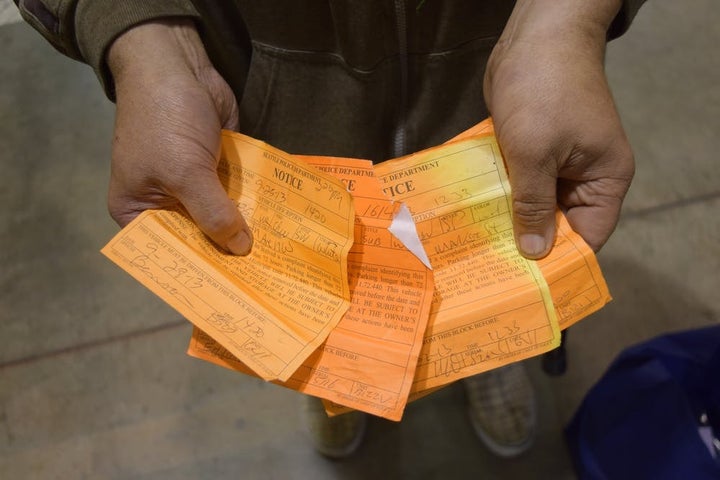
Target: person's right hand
[171, 106]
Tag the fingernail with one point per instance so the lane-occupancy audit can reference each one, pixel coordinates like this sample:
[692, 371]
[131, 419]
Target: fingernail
[531, 244]
[240, 244]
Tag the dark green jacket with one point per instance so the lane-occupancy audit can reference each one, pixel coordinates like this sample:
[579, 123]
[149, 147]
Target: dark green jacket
[359, 78]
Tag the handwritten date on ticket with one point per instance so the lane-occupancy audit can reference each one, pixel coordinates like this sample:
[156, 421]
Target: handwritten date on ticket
[274, 307]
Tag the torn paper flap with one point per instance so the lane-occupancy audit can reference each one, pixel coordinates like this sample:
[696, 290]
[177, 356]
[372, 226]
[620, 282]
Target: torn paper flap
[403, 227]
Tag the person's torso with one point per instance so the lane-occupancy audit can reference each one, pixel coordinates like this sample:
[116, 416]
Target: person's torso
[369, 79]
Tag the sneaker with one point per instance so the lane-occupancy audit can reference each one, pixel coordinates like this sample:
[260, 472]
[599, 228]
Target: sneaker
[334, 437]
[501, 405]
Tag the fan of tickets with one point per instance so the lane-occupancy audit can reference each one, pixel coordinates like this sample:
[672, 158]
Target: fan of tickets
[368, 285]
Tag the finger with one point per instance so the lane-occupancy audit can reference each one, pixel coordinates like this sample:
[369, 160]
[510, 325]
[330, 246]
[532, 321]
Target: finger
[124, 207]
[224, 100]
[215, 214]
[231, 122]
[533, 207]
[123, 211]
[594, 223]
[592, 208]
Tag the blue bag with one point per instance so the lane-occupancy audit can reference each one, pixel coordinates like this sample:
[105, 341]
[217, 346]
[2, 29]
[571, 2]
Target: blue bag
[655, 414]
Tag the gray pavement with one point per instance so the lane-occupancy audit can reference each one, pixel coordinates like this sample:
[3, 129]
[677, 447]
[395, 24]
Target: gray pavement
[94, 381]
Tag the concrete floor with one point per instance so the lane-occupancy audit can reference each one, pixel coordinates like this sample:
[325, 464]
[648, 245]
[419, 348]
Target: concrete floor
[94, 382]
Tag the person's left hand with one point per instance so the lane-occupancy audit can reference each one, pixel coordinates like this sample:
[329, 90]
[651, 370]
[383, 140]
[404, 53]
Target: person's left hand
[556, 122]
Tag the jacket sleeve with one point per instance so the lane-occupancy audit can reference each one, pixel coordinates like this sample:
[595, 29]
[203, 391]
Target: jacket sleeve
[85, 29]
[624, 18]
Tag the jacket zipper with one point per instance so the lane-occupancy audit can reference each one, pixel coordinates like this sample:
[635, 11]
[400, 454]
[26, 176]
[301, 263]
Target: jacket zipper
[400, 133]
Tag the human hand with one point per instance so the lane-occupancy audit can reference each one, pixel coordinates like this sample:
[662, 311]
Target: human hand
[171, 106]
[556, 121]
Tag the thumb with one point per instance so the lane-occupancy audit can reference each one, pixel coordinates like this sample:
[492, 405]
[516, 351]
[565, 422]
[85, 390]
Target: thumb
[216, 214]
[534, 203]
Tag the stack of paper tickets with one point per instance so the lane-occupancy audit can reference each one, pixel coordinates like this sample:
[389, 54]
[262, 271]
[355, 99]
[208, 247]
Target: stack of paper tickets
[367, 285]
